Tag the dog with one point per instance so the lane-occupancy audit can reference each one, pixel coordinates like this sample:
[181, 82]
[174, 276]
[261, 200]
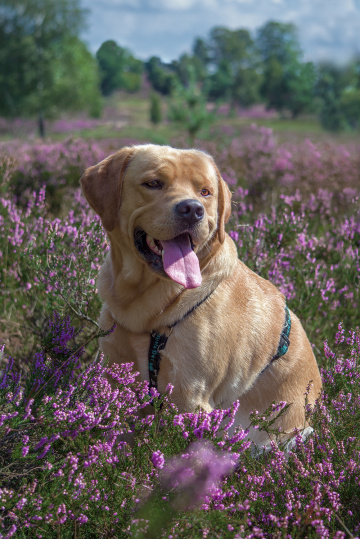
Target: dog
[187, 311]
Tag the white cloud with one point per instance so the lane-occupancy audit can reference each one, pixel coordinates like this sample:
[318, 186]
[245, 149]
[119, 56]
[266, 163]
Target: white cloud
[116, 4]
[167, 28]
[180, 5]
[240, 1]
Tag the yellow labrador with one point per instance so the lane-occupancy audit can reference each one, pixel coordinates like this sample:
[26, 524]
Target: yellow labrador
[187, 310]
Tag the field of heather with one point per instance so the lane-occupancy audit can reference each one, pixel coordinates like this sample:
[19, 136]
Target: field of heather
[64, 470]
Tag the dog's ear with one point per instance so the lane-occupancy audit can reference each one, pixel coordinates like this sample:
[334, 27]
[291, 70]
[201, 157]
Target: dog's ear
[102, 186]
[224, 205]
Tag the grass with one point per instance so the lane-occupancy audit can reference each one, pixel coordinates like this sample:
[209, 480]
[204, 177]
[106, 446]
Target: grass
[126, 116]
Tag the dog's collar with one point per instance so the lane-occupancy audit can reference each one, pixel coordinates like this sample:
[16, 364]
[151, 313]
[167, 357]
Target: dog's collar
[158, 342]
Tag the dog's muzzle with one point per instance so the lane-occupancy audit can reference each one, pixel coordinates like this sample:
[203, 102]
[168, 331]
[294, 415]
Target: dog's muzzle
[174, 258]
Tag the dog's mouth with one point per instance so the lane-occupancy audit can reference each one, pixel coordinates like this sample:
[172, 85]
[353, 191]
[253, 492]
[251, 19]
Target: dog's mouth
[175, 257]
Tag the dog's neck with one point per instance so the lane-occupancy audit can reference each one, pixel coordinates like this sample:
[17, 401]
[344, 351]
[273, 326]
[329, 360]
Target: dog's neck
[138, 298]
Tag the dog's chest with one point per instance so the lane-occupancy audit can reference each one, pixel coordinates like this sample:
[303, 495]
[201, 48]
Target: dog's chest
[140, 348]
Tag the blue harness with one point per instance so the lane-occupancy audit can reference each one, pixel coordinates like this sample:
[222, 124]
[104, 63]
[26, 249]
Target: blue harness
[158, 342]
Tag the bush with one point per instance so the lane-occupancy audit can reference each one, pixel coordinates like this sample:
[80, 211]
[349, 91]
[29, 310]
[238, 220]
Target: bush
[188, 109]
[155, 108]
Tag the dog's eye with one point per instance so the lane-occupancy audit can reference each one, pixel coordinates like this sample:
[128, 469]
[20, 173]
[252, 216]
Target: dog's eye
[153, 184]
[205, 192]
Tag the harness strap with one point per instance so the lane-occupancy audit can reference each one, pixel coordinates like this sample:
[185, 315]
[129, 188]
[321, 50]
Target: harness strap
[158, 342]
[284, 337]
[284, 341]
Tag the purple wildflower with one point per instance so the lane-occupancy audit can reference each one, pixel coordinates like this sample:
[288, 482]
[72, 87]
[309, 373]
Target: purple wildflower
[158, 459]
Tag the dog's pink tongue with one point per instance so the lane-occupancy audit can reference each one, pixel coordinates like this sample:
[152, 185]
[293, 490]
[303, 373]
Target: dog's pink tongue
[180, 262]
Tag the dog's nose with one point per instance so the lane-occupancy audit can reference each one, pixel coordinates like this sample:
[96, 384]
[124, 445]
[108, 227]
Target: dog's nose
[190, 210]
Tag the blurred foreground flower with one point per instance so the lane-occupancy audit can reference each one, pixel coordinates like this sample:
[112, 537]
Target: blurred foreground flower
[196, 473]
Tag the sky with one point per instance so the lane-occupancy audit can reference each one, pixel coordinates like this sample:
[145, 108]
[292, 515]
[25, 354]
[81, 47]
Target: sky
[328, 29]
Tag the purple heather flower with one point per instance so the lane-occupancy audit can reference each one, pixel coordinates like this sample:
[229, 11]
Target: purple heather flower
[158, 459]
[11, 532]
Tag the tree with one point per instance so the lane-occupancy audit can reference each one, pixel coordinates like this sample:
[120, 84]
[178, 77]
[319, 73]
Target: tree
[246, 87]
[188, 109]
[234, 60]
[288, 83]
[301, 86]
[332, 82]
[201, 59]
[220, 83]
[275, 86]
[119, 69]
[160, 76]
[44, 67]
[350, 107]
[183, 67]
[194, 66]
[75, 81]
[278, 40]
[350, 93]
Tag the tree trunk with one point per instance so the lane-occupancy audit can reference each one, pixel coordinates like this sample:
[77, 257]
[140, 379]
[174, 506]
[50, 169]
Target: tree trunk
[41, 125]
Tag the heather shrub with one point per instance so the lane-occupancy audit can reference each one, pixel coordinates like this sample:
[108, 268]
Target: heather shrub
[77, 456]
[67, 468]
[309, 251]
[267, 168]
[57, 166]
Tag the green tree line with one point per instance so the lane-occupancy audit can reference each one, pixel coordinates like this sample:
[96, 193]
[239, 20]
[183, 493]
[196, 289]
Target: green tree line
[242, 69]
[46, 68]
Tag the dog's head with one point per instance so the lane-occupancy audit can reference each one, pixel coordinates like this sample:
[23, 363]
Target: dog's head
[170, 206]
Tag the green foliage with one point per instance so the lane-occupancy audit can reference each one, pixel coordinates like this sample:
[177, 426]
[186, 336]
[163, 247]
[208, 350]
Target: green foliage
[338, 90]
[278, 40]
[119, 69]
[301, 82]
[288, 83]
[155, 108]
[234, 59]
[246, 87]
[183, 68]
[188, 109]
[220, 83]
[350, 106]
[44, 67]
[236, 47]
[331, 116]
[200, 59]
[332, 80]
[201, 51]
[75, 81]
[161, 77]
[274, 86]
